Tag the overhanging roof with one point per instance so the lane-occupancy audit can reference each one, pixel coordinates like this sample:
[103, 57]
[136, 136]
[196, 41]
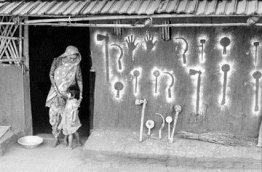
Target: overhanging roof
[132, 7]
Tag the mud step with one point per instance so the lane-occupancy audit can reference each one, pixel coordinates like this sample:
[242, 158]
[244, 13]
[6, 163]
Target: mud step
[7, 137]
[182, 152]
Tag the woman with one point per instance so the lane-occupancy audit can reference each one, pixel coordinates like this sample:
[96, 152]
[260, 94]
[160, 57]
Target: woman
[65, 72]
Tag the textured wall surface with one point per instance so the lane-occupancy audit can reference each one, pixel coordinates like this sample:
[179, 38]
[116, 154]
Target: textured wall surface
[118, 111]
[12, 97]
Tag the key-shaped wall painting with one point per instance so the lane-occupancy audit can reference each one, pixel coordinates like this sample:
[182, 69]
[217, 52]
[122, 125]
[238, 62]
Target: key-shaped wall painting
[225, 69]
[225, 42]
[202, 42]
[120, 57]
[185, 48]
[198, 73]
[257, 75]
[118, 86]
[130, 43]
[136, 76]
[156, 74]
[256, 44]
[170, 85]
[105, 39]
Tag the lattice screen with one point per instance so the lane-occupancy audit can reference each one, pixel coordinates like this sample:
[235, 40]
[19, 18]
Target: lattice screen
[10, 40]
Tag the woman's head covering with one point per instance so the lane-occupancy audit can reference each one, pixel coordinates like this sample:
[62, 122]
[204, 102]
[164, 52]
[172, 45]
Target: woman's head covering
[70, 50]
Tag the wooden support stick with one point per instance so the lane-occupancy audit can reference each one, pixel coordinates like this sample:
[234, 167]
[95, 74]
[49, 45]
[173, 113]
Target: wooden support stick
[259, 143]
[142, 120]
[162, 126]
[178, 109]
[144, 102]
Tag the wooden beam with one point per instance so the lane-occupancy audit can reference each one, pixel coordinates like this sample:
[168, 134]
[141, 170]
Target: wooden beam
[26, 82]
[20, 41]
[139, 25]
[124, 17]
[25, 44]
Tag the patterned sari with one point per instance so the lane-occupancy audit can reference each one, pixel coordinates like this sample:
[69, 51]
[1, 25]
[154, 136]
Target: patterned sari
[63, 74]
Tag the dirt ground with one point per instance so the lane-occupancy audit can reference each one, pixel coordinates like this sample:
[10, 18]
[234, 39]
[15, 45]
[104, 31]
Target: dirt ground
[47, 159]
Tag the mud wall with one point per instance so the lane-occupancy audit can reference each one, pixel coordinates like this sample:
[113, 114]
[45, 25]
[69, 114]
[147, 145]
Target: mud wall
[12, 111]
[188, 70]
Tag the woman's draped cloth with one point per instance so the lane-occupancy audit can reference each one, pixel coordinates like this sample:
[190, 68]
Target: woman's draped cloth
[64, 75]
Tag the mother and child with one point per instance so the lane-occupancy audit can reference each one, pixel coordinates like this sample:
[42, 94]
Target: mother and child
[65, 96]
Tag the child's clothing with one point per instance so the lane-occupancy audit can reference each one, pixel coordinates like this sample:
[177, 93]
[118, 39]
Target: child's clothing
[70, 121]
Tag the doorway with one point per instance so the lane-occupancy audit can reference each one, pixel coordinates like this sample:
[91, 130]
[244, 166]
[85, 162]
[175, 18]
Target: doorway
[46, 43]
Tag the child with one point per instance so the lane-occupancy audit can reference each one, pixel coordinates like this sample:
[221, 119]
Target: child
[70, 121]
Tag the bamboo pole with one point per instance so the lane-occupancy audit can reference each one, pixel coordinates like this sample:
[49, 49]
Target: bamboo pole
[11, 51]
[123, 17]
[1, 26]
[26, 48]
[9, 60]
[8, 37]
[20, 41]
[11, 47]
[26, 82]
[7, 55]
[15, 47]
[130, 25]
[8, 23]
[140, 25]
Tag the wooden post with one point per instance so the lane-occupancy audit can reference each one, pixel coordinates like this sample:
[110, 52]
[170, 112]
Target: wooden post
[26, 79]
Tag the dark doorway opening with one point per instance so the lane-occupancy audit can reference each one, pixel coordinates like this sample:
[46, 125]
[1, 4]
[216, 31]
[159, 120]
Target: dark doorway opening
[46, 43]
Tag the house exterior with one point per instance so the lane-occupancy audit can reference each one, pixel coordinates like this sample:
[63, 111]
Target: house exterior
[201, 55]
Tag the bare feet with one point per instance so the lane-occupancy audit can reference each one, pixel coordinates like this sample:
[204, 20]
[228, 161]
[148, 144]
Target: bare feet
[56, 142]
[69, 147]
[66, 141]
[78, 142]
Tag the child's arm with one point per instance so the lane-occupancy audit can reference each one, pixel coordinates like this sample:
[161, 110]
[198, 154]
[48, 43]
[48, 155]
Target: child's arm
[75, 109]
[74, 115]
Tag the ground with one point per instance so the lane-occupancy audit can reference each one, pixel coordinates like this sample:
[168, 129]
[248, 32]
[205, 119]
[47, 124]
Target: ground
[47, 159]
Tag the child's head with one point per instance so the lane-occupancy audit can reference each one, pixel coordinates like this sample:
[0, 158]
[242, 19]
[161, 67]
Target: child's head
[72, 93]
